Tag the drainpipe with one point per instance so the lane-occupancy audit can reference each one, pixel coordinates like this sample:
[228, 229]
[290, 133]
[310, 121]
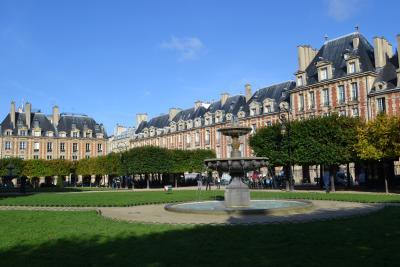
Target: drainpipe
[368, 100]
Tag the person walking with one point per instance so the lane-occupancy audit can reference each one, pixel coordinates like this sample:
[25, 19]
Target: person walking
[199, 182]
[208, 182]
[218, 181]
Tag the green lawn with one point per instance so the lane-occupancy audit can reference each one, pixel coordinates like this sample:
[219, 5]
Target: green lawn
[143, 197]
[86, 239]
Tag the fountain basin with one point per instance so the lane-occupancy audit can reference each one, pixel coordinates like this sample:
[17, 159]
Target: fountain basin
[266, 207]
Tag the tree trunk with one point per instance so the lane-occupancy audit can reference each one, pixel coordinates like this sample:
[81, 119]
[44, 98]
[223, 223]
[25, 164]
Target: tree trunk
[176, 181]
[348, 175]
[287, 174]
[332, 177]
[147, 180]
[385, 174]
[321, 176]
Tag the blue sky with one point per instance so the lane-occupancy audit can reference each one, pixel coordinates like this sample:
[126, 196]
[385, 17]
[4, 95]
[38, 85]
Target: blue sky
[113, 59]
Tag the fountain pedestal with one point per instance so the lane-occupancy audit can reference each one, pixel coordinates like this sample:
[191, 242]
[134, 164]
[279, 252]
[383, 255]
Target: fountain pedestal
[237, 194]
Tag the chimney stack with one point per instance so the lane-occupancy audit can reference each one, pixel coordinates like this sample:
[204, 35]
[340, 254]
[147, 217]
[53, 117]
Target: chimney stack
[28, 111]
[197, 104]
[305, 54]
[56, 116]
[224, 97]
[173, 112]
[140, 117]
[356, 41]
[382, 50]
[12, 114]
[398, 58]
[248, 92]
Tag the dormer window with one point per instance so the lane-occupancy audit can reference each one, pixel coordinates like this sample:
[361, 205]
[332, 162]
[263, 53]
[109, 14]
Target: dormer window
[63, 134]
[8, 132]
[352, 65]
[323, 74]
[75, 134]
[152, 131]
[23, 132]
[254, 109]
[181, 126]
[49, 134]
[88, 134]
[241, 114]
[197, 122]
[269, 105]
[37, 133]
[173, 126]
[229, 116]
[189, 124]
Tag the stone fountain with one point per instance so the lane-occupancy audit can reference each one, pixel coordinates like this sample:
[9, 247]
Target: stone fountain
[237, 193]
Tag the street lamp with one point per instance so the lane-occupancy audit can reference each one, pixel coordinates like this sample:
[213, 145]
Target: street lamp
[284, 117]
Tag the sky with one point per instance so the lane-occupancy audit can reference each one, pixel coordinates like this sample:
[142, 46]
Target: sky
[113, 59]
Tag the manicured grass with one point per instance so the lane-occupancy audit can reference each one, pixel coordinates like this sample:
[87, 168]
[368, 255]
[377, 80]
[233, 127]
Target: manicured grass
[143, 197]
[109, 198]
[86, 239]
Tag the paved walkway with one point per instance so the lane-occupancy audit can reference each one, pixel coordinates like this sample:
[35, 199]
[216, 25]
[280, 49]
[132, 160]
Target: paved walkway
[322, 210]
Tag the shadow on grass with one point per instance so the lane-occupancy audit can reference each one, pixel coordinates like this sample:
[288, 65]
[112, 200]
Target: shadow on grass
[350, 242]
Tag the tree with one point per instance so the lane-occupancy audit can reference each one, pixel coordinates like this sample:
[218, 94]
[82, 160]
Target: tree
[380, 140]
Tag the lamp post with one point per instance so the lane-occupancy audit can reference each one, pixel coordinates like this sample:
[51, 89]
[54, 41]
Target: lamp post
[284, 117]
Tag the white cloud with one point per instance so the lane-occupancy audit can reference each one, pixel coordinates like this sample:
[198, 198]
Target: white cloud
[341, 10]
[187, 48]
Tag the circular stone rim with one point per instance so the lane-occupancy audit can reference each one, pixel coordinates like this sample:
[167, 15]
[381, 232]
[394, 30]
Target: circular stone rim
[244, 211]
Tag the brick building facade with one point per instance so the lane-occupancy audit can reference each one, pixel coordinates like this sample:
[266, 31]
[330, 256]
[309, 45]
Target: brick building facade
[347, 75]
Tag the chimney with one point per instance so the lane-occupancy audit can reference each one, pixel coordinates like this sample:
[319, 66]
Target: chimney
[56, 116]
[197, 104]
[173, 112]
[382, 49]
[305, 54]
[248, 92]
[224, 97]
[398, 58]
[140, 117]
[356, 41]
[28, 110]
[12, 114]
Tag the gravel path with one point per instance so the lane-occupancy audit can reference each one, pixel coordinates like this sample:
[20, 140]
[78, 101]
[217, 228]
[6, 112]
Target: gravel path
[322, 210]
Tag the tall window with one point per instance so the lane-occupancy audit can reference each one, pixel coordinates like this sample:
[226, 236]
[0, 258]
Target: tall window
[355, 112]
[75, 147]
[49, 146]
[324, 74]
[22, 145]
[218, 137]
[341, 94]
[87, 147]
[99, 148]
[301, 102]
[7, 145]
[312, 100]
[354, 91]
[62, 157]
[197, 138]
[253, 128]
[36, 146]
[268, 109]
[62, 147]
[75, 134]
[381, 105]
[207, 137]
[325, 93]
[188, 137]
[22, 132]
[35, 156]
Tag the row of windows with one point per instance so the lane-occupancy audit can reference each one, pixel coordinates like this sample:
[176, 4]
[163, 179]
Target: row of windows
[341, 95]
[36, 146]
[74, 134]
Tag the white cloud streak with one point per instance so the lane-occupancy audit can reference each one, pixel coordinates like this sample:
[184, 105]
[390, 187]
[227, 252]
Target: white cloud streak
[341, 10]
[187, 48]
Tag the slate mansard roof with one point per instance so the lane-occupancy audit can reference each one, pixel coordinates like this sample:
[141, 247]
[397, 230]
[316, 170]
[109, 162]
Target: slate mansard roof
[67, 123]
[232, 105]
[334, 51]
